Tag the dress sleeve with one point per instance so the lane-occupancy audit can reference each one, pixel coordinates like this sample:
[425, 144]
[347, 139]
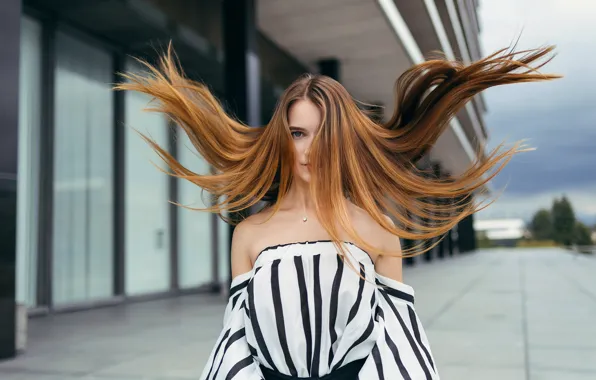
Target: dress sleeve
[231, 357]
[402, 350]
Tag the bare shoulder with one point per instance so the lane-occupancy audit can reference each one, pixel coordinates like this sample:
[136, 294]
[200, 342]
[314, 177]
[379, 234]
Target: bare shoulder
[373, 231]
[390, 265]
[242, 245]
[249, 233]
[375, 234]
[388, 240]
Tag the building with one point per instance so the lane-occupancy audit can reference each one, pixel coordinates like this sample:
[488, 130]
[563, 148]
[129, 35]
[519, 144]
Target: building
[86, 219]
[501, 232]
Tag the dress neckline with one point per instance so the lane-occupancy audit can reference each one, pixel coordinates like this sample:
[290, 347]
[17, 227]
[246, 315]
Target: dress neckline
[307, 242]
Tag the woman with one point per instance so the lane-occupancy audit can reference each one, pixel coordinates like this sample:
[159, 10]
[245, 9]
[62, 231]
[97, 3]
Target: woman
[317, 288]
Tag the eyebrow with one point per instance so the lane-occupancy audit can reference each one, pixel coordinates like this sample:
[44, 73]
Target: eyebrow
[300, 128]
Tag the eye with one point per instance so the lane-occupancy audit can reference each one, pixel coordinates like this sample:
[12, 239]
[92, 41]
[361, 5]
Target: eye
[297, 134]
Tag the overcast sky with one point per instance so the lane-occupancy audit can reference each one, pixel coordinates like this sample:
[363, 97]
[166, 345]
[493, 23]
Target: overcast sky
[558, 118]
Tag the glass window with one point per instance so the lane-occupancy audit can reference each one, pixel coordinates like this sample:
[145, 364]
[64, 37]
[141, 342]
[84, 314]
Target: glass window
[223, 253]
[83, 173]
[147, 239]
[28, 170]
[194, 227]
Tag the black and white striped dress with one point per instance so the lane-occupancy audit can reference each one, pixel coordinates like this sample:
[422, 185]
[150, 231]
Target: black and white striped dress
[303, 312]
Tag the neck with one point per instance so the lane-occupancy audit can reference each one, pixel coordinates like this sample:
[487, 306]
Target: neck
[299, 198]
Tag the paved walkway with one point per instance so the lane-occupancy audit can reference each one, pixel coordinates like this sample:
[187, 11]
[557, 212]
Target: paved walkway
[496, 314]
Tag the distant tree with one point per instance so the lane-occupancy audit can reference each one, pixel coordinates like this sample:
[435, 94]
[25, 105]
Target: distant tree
[563, 219]
[582, 234]
[542, 225]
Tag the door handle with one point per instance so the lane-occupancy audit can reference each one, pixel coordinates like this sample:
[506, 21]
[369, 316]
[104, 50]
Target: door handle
[159, 238]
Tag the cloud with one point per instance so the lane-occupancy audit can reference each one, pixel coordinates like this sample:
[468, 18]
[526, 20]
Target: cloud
[565, 149]
[525, 205]
[558, 117]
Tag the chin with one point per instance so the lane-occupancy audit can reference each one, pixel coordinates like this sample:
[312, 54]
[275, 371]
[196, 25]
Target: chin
[303, 174]
[304, 177]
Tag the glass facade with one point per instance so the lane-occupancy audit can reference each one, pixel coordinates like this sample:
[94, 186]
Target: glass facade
[147, 233]
[28, 178]
[99, 201]
[84, 263]
[223, 243]
[83, 204]
[195, 242]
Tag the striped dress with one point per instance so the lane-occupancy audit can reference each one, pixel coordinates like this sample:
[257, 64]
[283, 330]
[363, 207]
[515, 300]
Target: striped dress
[303, 312]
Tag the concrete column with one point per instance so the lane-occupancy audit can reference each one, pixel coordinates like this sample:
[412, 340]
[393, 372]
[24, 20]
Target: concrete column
[430, 172]
[466, 235]
[450, 242]
[428, 255]
[441, 247]
[330, 67]
[407, 244]
[241, 67]
[10, 41]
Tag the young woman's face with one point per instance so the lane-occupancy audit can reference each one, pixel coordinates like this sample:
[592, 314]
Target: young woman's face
[304, 121]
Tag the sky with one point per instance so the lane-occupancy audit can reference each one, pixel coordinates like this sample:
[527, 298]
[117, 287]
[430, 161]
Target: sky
[557, 118]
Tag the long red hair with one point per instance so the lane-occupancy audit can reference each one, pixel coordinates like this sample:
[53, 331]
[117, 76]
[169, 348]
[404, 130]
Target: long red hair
[369, 162]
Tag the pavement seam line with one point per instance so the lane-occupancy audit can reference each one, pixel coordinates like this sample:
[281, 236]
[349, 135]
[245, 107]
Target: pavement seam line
[449, 304]
[524, 320]
[572, 281]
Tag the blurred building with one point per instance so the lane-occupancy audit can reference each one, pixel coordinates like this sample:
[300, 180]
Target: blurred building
[85, 216]
[501, 232]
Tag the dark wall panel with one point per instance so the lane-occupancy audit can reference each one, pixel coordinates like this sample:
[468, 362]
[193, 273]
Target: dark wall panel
[10, 32]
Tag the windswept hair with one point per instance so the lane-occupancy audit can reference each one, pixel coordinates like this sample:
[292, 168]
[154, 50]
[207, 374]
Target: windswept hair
[371, 163]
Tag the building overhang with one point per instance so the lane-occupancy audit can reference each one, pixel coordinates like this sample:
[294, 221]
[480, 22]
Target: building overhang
[374, 45]
[357, 33]
[371, 39]
[139, 28]
[436, 27]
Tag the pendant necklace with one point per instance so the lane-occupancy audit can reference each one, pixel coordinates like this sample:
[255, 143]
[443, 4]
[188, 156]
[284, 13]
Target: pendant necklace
[305, 218]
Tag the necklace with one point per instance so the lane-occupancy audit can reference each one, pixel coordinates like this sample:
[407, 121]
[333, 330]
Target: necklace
[304, 218]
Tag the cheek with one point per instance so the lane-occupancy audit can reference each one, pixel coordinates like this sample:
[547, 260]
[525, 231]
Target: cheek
[299, 149]
[296, 155]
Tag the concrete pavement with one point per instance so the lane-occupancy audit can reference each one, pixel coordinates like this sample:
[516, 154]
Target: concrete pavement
[525, 314]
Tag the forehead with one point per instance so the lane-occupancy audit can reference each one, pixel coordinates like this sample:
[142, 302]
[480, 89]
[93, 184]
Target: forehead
[304, 114]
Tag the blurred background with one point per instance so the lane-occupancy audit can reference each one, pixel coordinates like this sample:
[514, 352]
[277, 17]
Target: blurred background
[101, 277]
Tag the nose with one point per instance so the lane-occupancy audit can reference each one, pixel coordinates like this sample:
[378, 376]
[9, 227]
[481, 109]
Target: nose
[306, 152]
